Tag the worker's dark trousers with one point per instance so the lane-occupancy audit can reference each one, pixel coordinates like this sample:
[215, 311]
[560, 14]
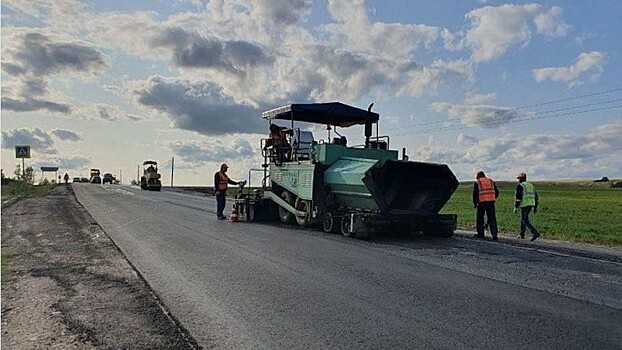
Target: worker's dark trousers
[524, 221]
[221, 199]
[489, 209]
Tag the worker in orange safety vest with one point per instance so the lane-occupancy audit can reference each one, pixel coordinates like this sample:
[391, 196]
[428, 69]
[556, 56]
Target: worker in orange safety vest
[485, 192]
[221, 182]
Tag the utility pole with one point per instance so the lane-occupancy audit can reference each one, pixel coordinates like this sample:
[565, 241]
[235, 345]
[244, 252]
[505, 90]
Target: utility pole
[138, 174]
[120, 175]
[172, 170]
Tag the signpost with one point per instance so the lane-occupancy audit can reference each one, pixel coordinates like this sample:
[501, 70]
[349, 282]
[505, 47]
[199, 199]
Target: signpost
[22, 152]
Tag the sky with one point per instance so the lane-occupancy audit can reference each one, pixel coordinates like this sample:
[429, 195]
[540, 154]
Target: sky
[499, 86]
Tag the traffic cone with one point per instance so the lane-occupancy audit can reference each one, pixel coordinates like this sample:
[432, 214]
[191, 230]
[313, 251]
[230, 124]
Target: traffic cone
[234, 214]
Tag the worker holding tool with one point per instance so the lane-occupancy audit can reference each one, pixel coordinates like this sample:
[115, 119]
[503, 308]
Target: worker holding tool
[485, 192]
[221, 182]
[526, 198]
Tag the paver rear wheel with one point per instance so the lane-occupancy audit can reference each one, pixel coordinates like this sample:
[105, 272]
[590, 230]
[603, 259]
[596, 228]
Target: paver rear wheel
[285, 216]
[303, 205]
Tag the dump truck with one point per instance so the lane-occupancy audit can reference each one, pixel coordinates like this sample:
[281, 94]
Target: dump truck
[355, 190]
[150, 180]
[94, 176]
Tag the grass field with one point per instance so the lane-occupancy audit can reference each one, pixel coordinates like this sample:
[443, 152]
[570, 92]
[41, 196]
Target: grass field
[18, 188]
[574, 211]
[6, 259]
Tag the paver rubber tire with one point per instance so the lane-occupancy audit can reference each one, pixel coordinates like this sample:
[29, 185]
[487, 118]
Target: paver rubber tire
[285, 216]
[303, 205]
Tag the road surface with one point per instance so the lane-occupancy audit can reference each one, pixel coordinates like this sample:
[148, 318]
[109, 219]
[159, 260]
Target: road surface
[242, 285]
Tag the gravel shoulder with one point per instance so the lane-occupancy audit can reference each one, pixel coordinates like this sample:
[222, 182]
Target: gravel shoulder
[69, 287]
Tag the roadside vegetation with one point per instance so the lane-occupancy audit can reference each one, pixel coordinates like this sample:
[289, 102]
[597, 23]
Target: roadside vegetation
[20, 186]
[580, 211]
[23, 185]
[19, 189]
[4, 268]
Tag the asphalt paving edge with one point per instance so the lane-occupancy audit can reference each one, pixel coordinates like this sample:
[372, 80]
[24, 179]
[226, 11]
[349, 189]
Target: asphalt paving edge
[581, 250]
[180, 328]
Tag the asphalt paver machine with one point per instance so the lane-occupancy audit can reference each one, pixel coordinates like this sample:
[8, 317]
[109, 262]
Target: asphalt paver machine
[355, 190]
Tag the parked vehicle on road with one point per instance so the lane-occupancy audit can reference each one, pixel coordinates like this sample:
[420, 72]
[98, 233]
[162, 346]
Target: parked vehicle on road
[108, 178]
[76, 180]
[95, 178]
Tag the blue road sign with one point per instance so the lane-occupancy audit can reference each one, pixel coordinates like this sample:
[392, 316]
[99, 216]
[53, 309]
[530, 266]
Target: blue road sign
[22, 151]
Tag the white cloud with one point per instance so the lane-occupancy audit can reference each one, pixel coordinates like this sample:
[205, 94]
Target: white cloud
[466, 140]
[66, 135]
[65, 16]
[39, 140]
[451, 41]
[474, 98]
[37, 53]
[191, 50]
[484, 116]
[256, 62]
[588, 63]
[495, 29]
[354, 31]
[458, 67]
[32, 57]
[34, 104]
[550, 23]
[283, 12]
[542, 156]
[585, 36]
[196, 154]
[201, 107]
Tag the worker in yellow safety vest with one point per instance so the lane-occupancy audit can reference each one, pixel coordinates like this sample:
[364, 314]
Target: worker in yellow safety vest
[485, 193]
[526, 198]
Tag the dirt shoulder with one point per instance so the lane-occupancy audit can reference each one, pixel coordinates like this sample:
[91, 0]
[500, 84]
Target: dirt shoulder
[69, 287]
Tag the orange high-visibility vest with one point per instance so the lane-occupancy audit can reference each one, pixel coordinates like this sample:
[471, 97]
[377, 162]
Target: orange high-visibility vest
[224, 181]
[486, 190]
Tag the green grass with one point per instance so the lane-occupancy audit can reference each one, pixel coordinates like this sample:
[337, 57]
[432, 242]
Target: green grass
[574, 211]
[4, 267]
[18, 188]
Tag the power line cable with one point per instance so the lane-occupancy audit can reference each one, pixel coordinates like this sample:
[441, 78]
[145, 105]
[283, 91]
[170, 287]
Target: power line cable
[571, 98]
[535, 113]
[517, 108]
[517, 120]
